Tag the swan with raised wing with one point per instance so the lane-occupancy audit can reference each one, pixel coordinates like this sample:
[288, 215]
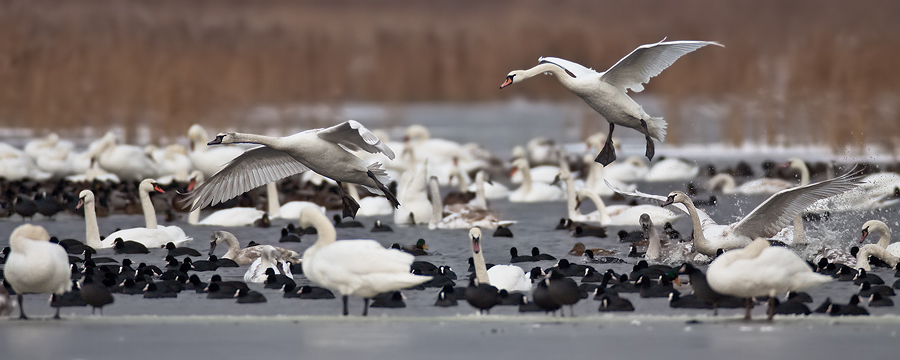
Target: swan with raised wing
[765, 221]
[324, 151]
[605, 92]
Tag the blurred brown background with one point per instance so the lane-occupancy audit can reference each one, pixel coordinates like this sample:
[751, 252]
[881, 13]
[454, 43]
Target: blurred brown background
[814, 71]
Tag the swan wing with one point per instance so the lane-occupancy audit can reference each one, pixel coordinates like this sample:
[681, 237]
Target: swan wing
[656, 199]
[573, 68]
[252, 169]
[780, 209]
[648, 61]
[354, 136]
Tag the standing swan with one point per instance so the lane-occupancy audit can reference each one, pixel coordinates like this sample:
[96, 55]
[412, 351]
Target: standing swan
[325, 151]
[35, 265]
[605, 91]
[361, 268]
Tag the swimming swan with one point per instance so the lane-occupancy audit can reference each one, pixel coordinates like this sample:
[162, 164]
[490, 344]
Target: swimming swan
[605, 92]
[270, 258]
[503, 277]
[151, 235]
[324, 151]
[246, 255]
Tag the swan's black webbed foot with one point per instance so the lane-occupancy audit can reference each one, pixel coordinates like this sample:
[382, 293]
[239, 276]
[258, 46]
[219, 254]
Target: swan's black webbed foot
[350, 206]
[651, 148]
[365, 307]
[608, 154]
[387, 192]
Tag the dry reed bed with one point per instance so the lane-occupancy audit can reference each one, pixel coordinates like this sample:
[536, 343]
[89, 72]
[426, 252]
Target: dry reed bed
[816, 69]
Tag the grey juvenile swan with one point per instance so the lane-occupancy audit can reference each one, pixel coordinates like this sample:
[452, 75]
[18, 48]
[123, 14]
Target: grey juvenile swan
[605, 91]
[324, 151]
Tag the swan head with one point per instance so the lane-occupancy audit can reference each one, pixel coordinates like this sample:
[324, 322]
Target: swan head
[873, 226]
[215, 239]
[475, 238]
[84, 197]
[416, 133]
[513, 77]
[676, 197]
[30, 232]
[223, 138]
[646, 223]
[149, 186]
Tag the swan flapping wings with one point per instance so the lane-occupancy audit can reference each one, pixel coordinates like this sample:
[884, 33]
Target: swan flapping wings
[648, 61]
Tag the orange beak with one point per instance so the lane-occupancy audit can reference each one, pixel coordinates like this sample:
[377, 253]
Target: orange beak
[158, 189]
[508, 82]
[191, 184]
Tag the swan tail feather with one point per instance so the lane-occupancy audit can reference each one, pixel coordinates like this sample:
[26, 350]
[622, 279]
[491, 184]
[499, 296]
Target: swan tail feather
[657, 127]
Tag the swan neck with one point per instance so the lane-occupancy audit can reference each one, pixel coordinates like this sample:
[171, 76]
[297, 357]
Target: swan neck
[654, 248]
[480, 200]
[804, 175]
[480, 268]
[149, 212]
[526, 177]
[885, 233]
[243, 138]
[326, 233]
[699, 240]
[92, 230]
[233, 247]
[437, 208]
[601, 207]
[572, 200]
[727, 181]
[463, 182]
[596, 174]
[862, 257]
[799, 230]
[274, 205]
[553, 69]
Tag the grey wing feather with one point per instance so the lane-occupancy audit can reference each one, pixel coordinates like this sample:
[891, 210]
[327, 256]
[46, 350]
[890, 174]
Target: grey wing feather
[253, 168]
[656, 199]
[780, 209]
[648, 61]
[354, 136]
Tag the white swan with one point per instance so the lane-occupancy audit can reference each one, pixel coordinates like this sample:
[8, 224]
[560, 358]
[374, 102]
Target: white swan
[880, 228]
[15, 165]
[209, 159]
[92, 230]
[128, 162]
[246, 255]
[152, 235]
[324, 151]
[461, 216]
[597, 175]
[759, 186]
[605, 91]
[862, 257]
[231, 217]
[270, 258]
[766, 220]
[35, 265]
[173, 161]
[503, 277]
[368, 206]
[532, 191]
[633, 168]
[876, 192]
[360, 268]
[415, 208]
[544, 173]
[759, 270]
[672, 170]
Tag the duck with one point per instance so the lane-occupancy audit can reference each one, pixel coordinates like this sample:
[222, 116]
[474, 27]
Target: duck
[605, 92]
[417, 249]
[881, 229]
[766, 220]
[151, 235]
[35, 265]
[324, 151]
[95, 294]
[579, 248]
[246, 255]
[760, 269]
[503, 277]
[270, 258]
[360, 268]
[532, 191]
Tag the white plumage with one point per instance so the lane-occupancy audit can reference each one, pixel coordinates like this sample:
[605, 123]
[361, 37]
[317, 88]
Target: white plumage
[35, 265]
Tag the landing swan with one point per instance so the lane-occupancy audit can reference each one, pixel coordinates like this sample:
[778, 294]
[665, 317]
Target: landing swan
[880, 228]
[766, 220]
[270, 258]
[503, 277]
[533, 191]
[324, 151]
[605, 92]
[360, 268]
[246, 255]
[35, 265]
[759, 270]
